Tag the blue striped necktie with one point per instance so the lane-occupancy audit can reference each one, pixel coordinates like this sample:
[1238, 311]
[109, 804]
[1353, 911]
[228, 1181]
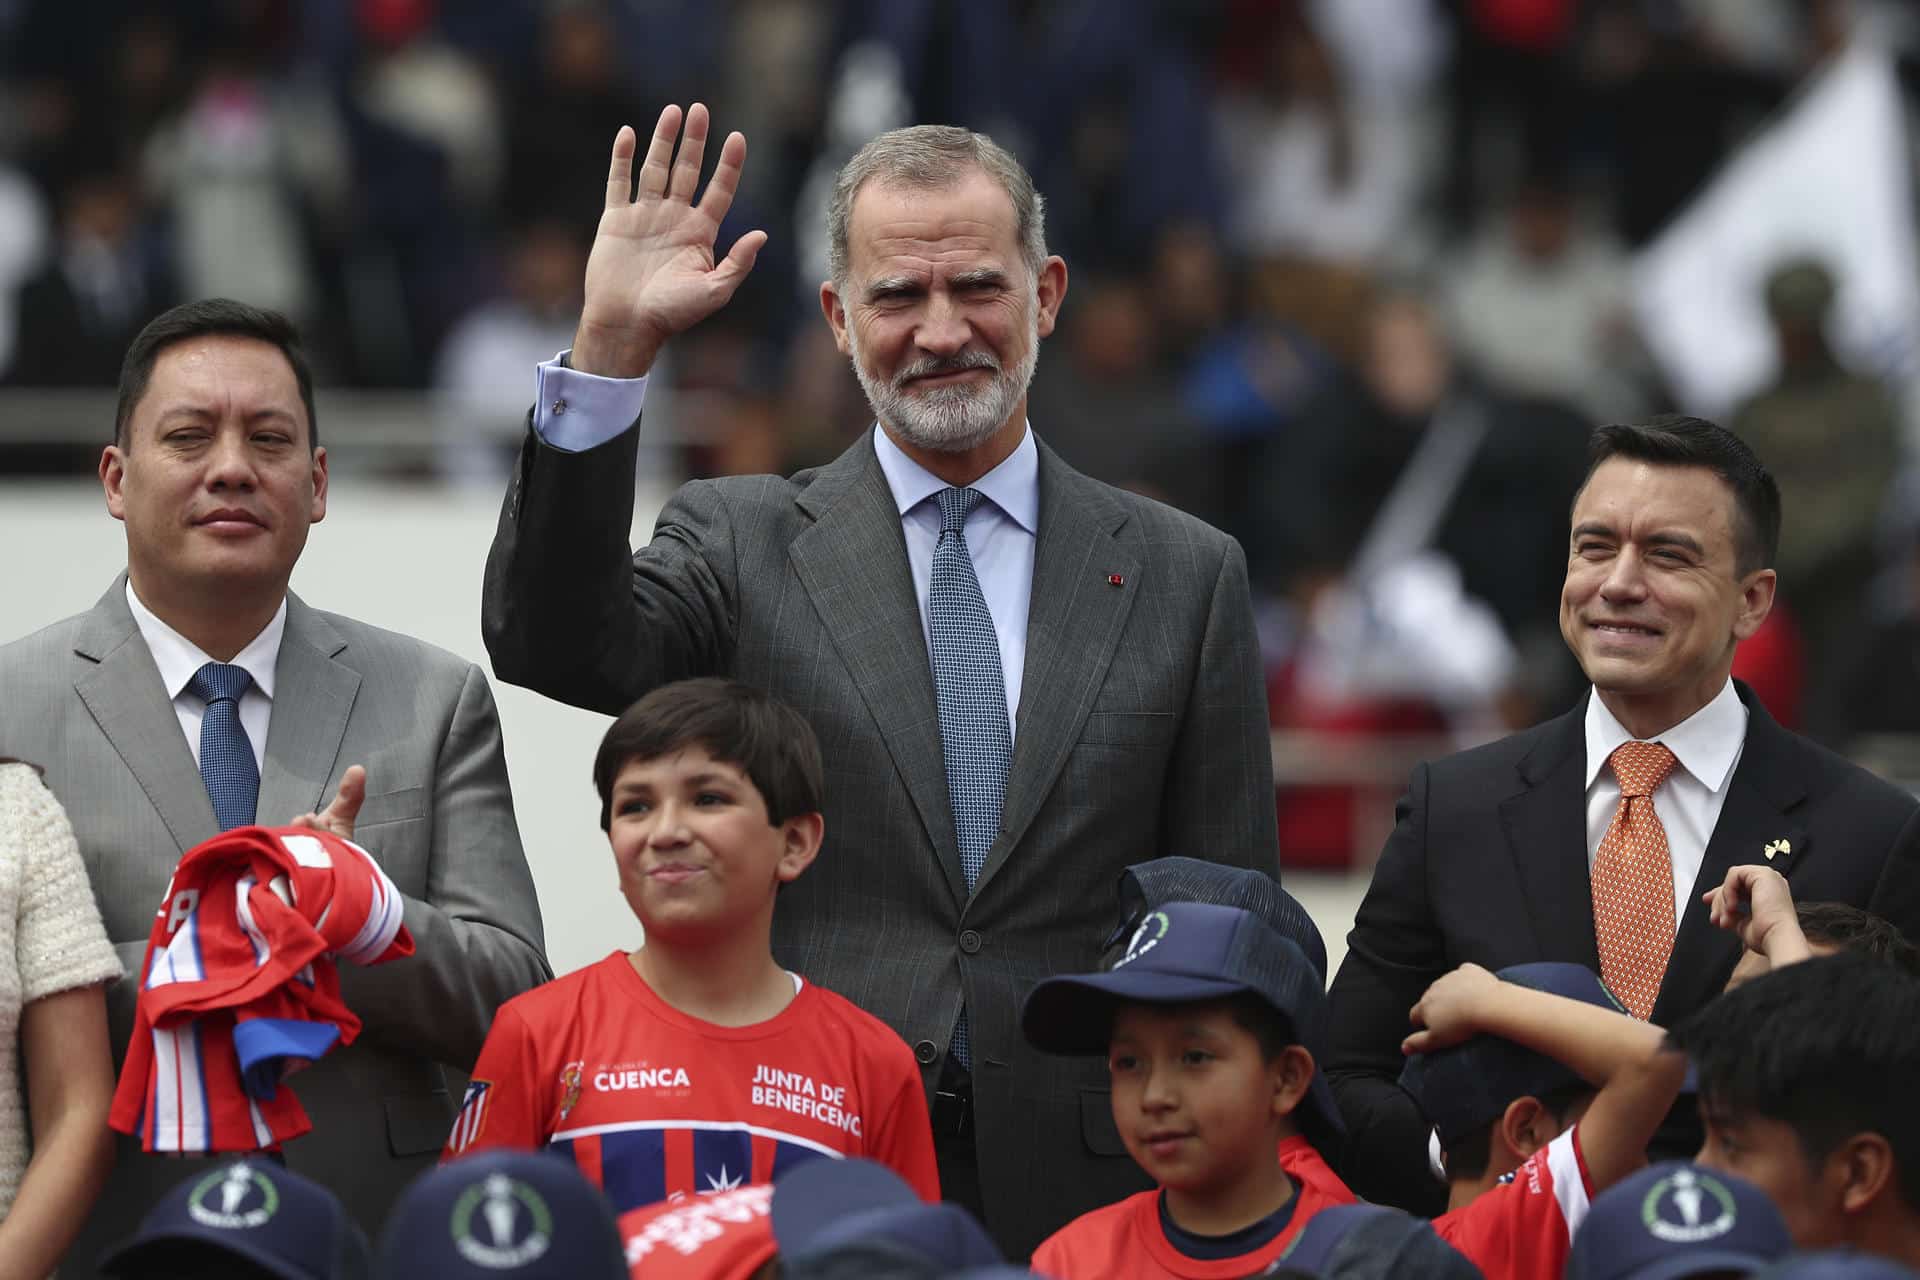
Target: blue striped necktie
[226, 756]
[976, 736]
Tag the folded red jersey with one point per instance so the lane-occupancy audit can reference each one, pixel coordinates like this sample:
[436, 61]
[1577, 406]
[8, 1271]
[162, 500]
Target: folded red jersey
[239, 987]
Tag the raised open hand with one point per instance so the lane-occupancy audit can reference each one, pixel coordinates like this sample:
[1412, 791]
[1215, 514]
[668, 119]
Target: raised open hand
[652, 272]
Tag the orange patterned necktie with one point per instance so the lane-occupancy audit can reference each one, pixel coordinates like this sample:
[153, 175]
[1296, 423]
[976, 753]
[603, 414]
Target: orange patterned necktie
[1633, 881]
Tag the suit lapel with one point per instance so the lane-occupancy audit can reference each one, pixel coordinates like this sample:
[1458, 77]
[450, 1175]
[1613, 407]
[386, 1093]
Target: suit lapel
[121, 689]
[312, 696]
[1764, 789]
[1547, 833]
[1074, 622]
[852, 562]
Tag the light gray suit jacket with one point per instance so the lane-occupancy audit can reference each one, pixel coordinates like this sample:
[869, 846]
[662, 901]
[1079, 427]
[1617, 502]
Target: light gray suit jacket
[83, 699]
[1141, 731]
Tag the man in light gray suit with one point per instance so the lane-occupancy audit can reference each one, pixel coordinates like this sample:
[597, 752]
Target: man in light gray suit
[200, 694]
[1023, 680]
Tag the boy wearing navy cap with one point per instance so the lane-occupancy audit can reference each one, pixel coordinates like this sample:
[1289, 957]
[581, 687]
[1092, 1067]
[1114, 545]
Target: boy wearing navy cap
[1204, 1021]
[1543, 1092]
[1307, 1155]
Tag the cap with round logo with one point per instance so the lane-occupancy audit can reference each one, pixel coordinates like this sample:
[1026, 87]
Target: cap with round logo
[253, 1209]
[1676, 1219]
[518, 1214]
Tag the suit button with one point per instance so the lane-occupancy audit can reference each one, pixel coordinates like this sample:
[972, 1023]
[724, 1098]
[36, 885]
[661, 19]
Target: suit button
[969, 941]
[925, 1052]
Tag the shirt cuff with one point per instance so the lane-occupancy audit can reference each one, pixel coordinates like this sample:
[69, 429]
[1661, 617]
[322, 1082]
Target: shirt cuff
[575, 411]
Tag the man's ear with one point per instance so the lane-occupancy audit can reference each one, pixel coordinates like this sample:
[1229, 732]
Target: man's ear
[1050, 290]
[1756, 602]
[113, 478]
[1292, 1074]
[1526, 1126]
[800, 838]
[1865, 1170]
[834, 308]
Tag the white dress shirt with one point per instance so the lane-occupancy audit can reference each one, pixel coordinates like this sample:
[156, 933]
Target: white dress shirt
[178, 658]
[1707, 745]
[576, 411]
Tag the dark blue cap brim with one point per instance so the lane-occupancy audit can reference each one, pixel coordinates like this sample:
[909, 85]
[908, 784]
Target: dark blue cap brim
[214, 1240]
[1074, 1014]
[1700, 1262]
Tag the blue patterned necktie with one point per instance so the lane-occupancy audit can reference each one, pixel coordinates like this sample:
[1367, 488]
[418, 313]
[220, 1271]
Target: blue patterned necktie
[976, 736]
[226, 756]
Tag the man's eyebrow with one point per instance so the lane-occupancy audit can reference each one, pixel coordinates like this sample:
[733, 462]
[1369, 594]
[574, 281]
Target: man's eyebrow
[1674, 538]
[1593, 528]
[890, 284]
[978, 276]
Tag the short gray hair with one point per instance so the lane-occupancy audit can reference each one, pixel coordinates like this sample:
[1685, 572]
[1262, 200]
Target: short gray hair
[933, 157]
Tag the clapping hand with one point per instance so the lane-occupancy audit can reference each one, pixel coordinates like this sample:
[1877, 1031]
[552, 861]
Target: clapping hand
[652, 272]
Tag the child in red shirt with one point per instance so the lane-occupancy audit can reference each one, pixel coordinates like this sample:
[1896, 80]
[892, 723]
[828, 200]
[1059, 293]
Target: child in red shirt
[696, 1064]
[1543, 1092]
[1203, 1021]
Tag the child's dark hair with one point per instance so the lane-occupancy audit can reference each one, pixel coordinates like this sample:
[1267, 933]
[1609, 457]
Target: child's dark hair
[1468, 1157]
[734, 723]
[1272, 1028]
[1848, 928]
[1829, 1047]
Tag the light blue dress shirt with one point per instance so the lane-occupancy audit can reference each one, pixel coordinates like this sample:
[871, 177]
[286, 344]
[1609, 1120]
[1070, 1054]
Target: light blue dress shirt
[576, 411]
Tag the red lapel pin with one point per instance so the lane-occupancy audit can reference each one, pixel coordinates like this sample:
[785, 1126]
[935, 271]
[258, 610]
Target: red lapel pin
[1116, 580]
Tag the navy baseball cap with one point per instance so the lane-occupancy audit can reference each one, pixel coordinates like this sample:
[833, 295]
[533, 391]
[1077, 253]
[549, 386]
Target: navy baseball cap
[1372, 1242]
[1676, 1219]
[1146, 885]
[1183, 952]
[253, 1209]
[1836, 1264]
[856, 1217]
[524, 1214]
[1465, 1087]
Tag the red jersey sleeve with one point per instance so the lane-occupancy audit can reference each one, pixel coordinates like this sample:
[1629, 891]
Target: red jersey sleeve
[1522, 1229]
[506, 1103]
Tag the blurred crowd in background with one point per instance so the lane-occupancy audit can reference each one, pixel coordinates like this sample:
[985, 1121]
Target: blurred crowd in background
[1350, 278]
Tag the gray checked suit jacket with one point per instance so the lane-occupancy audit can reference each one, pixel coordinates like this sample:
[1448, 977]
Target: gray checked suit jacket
[83, 699]
[1141, 731]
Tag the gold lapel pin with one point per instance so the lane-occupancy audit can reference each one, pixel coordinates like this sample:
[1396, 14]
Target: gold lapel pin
[1778, 846]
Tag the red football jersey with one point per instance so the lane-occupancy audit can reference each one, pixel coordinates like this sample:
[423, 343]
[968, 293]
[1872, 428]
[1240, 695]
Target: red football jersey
[1523, 1228]
[1125, 1241]
[1303, 1164]
[653, 1104]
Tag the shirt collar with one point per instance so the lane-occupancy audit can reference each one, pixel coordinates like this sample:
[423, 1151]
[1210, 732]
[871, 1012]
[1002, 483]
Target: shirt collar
[178, 657]
[1013, 486]
[1705, 743]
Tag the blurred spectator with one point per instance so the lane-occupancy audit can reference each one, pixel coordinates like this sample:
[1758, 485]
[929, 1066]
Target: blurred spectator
[481, 380]
[562, 113]
[1413, 453]
[1509, 94]
[23, 245]
[1539, 305]
[1670, 100]
[1105, 402]
[1313, 171]
[103, 281]
[242, 170]
[1831, 437]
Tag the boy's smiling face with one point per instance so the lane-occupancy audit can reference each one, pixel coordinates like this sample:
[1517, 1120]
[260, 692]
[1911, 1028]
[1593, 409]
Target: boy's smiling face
[1198, 1104]
[697, 855]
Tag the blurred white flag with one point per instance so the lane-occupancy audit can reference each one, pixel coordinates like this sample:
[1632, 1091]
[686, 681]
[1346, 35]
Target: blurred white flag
[1831, 178]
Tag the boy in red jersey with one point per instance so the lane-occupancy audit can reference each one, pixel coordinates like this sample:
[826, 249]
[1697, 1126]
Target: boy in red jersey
[1543, 1093]
[696, 1063]
[1203, 1021]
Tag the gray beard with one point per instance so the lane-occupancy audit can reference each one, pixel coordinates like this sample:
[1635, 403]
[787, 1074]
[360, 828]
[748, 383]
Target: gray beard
[950, 419]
